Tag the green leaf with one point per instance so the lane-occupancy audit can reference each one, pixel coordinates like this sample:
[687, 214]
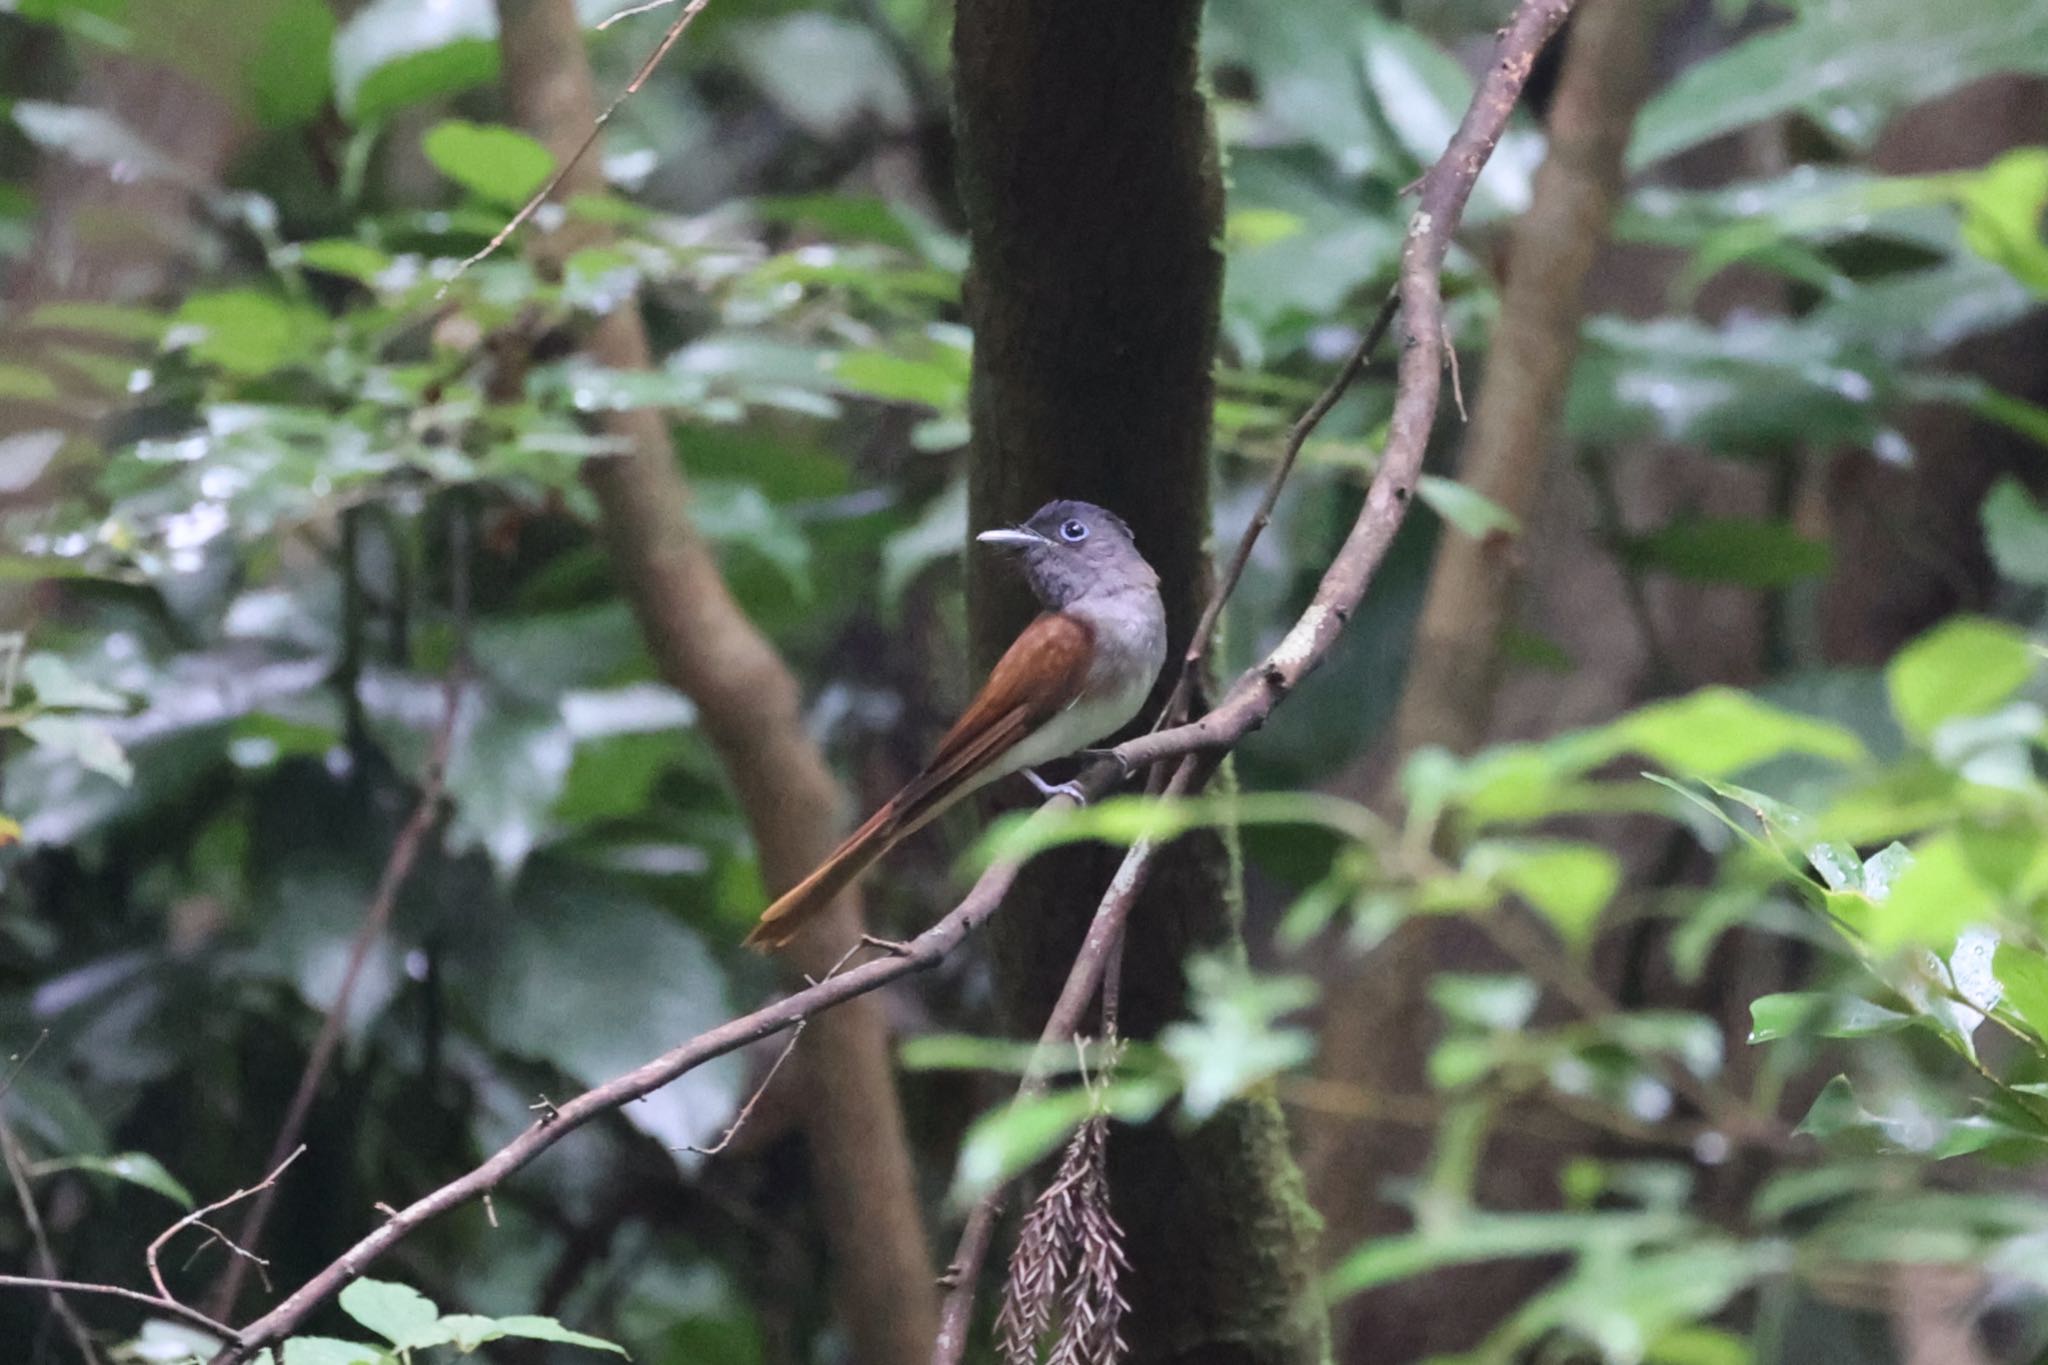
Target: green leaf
[1750, 554]
[246, 332]
[1235, 1040]
[1497, 1001]
[136, 1168]
[88, 743]
[2016, 533]
[21, 381]
[395, 53]
[1494, 1237]
[328, 1351]
[1720, 731]
[58, 685]
[1127, 819]
[1843, 65]
[1801, 1013]
[1963, 667]
[2002, 208]
[289, 75]
[1569, 884]
[1935, 898]
[395, 1312]
[531, 1327]
[501, 166]
[340, 256]
[2024, 975]
[1005, 1141]
[1470, 511]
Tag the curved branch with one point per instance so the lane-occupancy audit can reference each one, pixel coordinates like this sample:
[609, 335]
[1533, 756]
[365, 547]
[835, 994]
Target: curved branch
[1444, 192]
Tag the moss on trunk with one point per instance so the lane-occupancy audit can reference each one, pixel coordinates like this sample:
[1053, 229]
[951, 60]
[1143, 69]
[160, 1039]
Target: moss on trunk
[1093, 200]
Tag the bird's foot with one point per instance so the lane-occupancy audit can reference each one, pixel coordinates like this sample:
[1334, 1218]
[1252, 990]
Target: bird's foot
[1048, 790]
[1123, 765]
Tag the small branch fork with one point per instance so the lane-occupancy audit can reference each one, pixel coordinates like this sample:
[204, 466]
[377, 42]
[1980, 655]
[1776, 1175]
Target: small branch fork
[1198, 745]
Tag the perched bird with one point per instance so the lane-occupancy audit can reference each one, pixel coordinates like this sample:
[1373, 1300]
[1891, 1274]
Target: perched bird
[1076, 674]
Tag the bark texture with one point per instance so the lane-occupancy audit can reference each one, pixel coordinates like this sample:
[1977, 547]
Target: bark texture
[1089, 179]
[749, 706]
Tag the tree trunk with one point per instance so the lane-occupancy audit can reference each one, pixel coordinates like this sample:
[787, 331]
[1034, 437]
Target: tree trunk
[748, 704]
[1092, 197]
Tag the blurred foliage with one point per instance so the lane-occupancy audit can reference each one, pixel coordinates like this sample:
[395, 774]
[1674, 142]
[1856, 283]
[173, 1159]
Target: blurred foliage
[264, 531]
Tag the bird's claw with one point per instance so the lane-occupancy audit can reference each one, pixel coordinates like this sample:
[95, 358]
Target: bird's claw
[1123, 765]
[1048, 790]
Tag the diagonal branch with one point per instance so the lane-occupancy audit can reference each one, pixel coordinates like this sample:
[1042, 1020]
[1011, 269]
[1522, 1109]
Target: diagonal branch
[1444, 192]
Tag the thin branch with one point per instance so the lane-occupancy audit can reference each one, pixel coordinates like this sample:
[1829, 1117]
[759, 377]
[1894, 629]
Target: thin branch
[747, 1109]
[1103, 943]
[115, 1291]
[1304, 426]
[405, 851]
[582, 149]
[1445, 190]
[17, 1176]
[921, 954]
[195, 1219]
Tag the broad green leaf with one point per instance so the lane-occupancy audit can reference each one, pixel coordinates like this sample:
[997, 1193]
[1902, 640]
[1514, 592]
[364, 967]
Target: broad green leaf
[1934, 899]
[1963, 667]
[2002, 215]
[395, 53]
[825, 73]
[1797, 1013]
[328, 1351]
[1127, 819]
[249, 333]
[1235, 1040]
[1003, 1142]
[100, 319]
[1720, 731]
[88, 743]
[57, 684]
[1569, 884]
[1494, 1237]
[136, 1168]
[1470, 511]
[393, 1311]
[530, 1327]
[289, 75]
[340, 256]
[1752, 554]
[2024, 974]
[1498, 1001]
[1846, 66]
[23, 381]
[2016, 532]
[501, 166]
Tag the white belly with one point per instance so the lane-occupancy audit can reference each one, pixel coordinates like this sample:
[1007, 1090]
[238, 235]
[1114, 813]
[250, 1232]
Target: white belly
[1121, 683]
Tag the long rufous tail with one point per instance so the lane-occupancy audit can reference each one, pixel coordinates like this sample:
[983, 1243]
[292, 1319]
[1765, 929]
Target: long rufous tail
[797, 906]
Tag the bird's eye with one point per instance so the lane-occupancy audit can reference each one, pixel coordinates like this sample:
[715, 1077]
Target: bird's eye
[1074, 530]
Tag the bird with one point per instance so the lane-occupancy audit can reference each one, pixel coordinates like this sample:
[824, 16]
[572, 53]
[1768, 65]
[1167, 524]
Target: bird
[1079, 672]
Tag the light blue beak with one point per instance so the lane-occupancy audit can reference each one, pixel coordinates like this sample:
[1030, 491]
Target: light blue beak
[1007, 536]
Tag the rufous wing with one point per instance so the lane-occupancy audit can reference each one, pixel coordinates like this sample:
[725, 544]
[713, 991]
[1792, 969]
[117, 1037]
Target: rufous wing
[1039, 676]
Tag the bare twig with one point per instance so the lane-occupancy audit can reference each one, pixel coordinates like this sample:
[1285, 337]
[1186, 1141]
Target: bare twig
[1104, 938]
[582, 149]
[747, 1109]
[405, 851]
[195, 1219]
[1175, 710]
[115, 1291]
[1444, 192]
[921, 954]
[17, 1176]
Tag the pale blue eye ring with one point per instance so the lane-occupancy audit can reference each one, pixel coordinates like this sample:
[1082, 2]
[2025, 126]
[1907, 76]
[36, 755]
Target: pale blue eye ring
[1073, 530]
